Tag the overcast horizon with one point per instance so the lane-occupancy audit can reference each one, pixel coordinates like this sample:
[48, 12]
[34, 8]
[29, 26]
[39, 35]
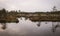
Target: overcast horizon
[30, 5]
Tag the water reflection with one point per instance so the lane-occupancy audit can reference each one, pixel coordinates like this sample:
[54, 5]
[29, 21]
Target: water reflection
[4, 26]
[29, 28]
[38, 24]
[55, 25]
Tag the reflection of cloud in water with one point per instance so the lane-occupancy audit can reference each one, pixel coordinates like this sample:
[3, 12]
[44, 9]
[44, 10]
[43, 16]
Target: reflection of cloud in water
[28, 28]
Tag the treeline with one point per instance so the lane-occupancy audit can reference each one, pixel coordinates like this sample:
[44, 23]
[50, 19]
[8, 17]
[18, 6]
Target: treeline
[15, 11]
[4, 12]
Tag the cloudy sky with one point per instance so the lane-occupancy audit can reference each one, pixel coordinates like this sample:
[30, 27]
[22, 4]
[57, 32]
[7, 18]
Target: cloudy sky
[30, 5]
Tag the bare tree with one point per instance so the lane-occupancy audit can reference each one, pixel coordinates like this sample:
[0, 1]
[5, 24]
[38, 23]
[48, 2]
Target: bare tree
[54, 9]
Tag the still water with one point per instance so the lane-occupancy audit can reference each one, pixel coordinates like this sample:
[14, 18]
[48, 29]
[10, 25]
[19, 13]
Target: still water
[29, 28]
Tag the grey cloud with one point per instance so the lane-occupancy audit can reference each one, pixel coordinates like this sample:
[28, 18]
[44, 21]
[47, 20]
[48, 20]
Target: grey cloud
[30, 5]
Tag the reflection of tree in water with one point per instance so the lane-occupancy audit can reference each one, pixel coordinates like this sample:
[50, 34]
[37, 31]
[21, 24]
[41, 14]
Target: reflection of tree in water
[46, 22]
[4, 26]
[39, 23]
[54, 27]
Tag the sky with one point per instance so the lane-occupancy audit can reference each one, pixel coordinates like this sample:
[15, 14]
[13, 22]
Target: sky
[30, 5]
